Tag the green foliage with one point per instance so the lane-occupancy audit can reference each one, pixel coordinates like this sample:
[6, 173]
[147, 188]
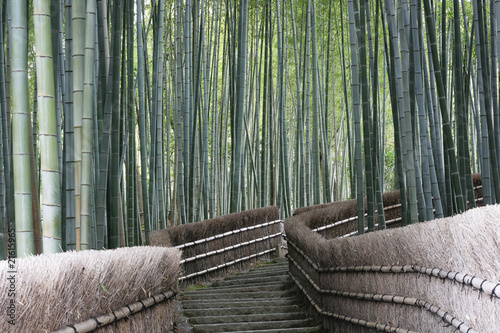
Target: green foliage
[232, 105]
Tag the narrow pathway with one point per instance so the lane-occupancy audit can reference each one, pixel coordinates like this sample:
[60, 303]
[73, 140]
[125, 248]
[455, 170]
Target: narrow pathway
[259, 300]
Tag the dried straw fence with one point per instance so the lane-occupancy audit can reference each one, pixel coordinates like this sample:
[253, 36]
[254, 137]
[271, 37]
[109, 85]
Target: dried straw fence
[84, 291]
[212, 247]
[438, 276]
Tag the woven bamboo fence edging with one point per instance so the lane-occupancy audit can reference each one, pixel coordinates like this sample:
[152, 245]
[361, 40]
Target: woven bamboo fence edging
[355, 321]
[120, 314]
[489, 288]
[229, 233]
[354, 218]
[388, 222]
[344, 276]
[230, 248]
[255, 255]
[395, 299]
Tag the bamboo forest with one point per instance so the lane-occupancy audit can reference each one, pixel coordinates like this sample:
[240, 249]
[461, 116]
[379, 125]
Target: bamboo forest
[122, 117]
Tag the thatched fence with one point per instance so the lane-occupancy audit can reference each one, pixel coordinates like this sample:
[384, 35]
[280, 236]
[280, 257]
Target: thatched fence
[230, 242]
[85, 291]
[438, 276]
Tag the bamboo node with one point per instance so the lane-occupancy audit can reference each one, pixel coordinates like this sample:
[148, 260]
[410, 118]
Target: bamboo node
[98, 323]
[73, 327]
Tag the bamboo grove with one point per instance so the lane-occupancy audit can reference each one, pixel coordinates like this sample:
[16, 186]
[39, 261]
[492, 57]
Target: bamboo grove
[121, 117]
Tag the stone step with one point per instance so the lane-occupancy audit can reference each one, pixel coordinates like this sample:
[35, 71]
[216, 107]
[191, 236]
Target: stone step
[271, 265]
[258, 273]
[261, 299]
[258, 317]
[232, 303]
[313, 329]
[245, 295]
[280, 259]
[282, 262]
[241, 289]
[240, 310]
[262, 325]
[264, 279]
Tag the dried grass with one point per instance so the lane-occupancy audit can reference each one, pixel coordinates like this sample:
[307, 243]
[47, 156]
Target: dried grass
[54, 290]
[468, 243]
[187, 233]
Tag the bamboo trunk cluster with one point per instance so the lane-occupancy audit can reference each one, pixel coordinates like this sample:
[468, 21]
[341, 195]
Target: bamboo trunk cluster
[126, 117]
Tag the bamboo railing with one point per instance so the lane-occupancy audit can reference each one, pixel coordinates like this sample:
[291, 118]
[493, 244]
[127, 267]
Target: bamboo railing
[315, 281]
[273, 239]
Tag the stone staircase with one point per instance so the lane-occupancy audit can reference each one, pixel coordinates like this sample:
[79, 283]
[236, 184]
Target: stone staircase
[261, 299]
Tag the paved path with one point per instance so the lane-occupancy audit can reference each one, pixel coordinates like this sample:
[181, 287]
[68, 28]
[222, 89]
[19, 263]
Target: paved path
[259, 300]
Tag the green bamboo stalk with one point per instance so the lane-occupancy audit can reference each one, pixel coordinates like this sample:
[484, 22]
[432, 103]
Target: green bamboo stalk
[56, 34]
[20, 130]
[188, 111]
[481, 50]
[410, 60]
[429, 116]
[180, 157]
[240, 109]
[69, 170]
[37, 223]
[3, 215]
[264, 147]
[307, 107]
[284, 158]
[271, 123]
[111, 105]
[444, 111]
[103, 42]
[131, 167]
[300, 189]
[214, 166]
[352, 186]
[390, 54]
[357, 119]
[486, 165]
[6, 158]
[153, 110]
[78, 29]
[379, 154]
[159, 115]
[365, 104]
[205, 187]
[422, 121]
[316, 110]
[87, 129]
[114, 188]
[142, 118]
[327, 193]
[51, 204]
[461, 113]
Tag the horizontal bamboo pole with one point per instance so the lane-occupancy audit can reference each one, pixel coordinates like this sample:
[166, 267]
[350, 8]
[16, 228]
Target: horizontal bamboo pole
[229, 233]
[333, 225]
[387, 223]
[490, 288]
[394, 299]
[354, 218]
[355, 321]
[114, 316]
[225, 265]
[229, 248]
